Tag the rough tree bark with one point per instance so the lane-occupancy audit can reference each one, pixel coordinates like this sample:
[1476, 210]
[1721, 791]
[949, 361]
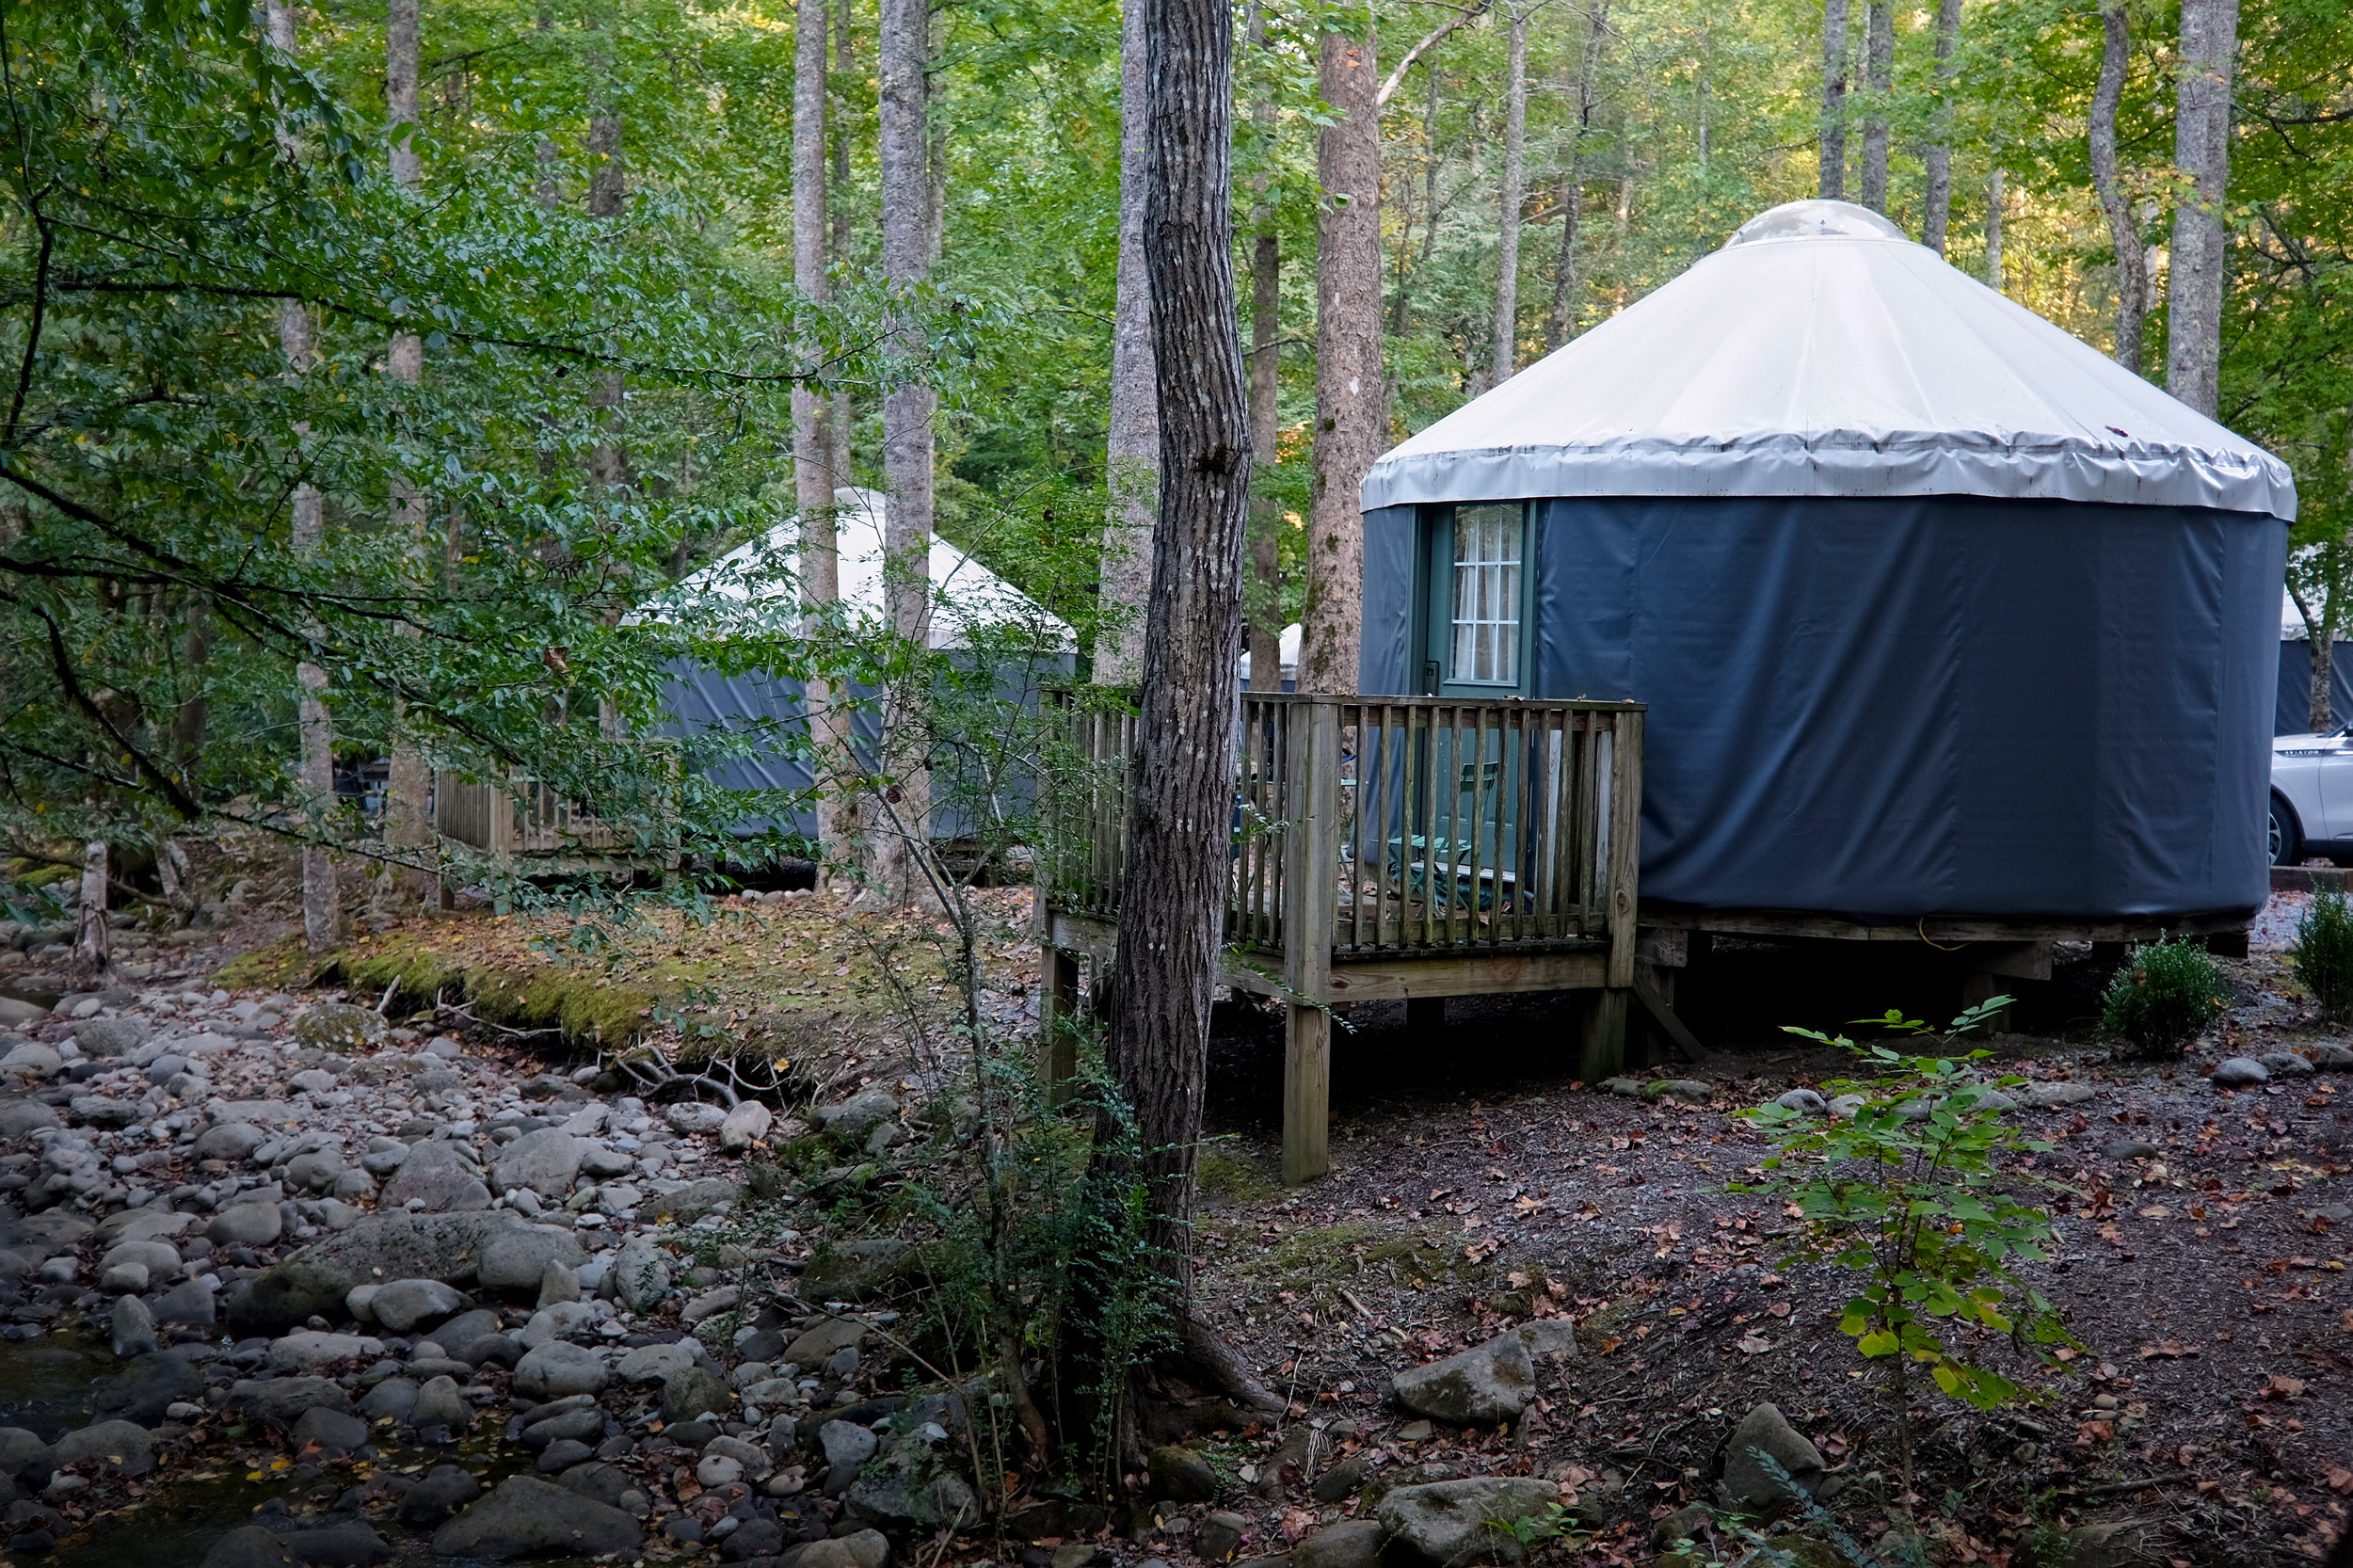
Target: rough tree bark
[1132, 446]
[1262, 601]
[92, 949]
[314, 768]
[815, 469]
[1503, 354]
[1994, 200]
[2202, 153]
[2132, 272]
[902, 832]
[1562, 314]
[1879, 80]
[407, 831]
[1349, 416]
[1938, 197]
[1835, 14]
[2320, 693]
[1165, 968]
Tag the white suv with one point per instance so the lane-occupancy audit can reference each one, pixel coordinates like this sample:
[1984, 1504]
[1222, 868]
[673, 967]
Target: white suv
[2312, 796]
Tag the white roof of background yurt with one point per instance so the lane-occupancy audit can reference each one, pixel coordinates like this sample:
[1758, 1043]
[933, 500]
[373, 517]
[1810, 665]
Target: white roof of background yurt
[1821, 353]
[965, 595]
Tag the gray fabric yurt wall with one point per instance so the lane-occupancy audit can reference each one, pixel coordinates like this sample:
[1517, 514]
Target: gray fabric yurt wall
[1884, 708]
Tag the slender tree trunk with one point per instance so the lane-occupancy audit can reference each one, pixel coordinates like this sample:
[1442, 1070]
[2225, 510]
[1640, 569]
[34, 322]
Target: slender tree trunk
[2131, 284]
[1263, 600]
[1165, 968]
[1350, 418]
[844, 414]
[92, 946]
[1563, 316]
[1835, 14]
[608, 200]
[1132, 448]
[1995, 198]
[1938, 199]
[2202, 153]
[904, 834]
[190, 724]
[407, 831]
[314, 768]
[1879, 80]
[815, 471]
[1503, 355]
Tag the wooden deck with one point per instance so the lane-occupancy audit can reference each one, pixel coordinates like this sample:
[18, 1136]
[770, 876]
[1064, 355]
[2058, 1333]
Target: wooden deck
[524, 825]
[1384, 849]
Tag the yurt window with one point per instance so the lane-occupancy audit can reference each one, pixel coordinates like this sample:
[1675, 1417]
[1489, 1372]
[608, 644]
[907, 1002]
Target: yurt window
[1477, 605]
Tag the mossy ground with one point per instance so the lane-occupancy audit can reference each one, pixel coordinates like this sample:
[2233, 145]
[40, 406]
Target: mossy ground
[810, 982]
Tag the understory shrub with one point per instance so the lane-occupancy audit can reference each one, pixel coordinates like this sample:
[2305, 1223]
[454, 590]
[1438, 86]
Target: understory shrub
[1911, 1191]
[2324, 955]
[2163, 996]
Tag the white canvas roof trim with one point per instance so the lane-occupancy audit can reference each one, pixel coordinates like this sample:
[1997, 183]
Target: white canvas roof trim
[965, 595]
[1819, 353]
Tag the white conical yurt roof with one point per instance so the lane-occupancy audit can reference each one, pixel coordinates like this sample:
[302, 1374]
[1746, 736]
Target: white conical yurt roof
[1821, 353]
[965, 595]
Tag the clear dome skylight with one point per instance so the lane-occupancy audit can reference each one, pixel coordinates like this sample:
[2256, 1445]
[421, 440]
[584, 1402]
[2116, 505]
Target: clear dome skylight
[1809, 220]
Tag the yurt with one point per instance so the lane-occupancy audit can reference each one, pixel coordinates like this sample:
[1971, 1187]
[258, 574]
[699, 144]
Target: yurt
[971, 608]
[1937, 610]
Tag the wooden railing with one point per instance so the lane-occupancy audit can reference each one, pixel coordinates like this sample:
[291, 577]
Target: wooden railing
[1393, 826]
[520, 817]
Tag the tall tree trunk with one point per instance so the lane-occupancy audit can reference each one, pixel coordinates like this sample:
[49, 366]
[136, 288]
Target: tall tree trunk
[1938, 199]
[1350, 418]
[1995, 198]
[1132, 448]
[93, 952]
[843, 413]
[815, 471]
[1503, 350]
[2131, 284]
[1262, 607]
[1879, 80]
[1835, 14]
[902, 838]
[407, 831]
[1165, 968]
[1563, 313]
[608, 199]
[314, 728]
[2202, 153]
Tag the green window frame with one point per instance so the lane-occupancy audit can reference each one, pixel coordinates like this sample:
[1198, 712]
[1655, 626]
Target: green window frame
[1476, 628]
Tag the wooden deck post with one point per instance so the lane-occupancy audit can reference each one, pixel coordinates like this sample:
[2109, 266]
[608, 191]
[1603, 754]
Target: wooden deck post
[1057, 1002]
[1312, 852]
[1978, 985]
[1602, 1052]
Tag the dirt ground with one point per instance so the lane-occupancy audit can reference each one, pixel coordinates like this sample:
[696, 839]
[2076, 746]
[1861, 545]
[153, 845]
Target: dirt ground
[2211, 1408]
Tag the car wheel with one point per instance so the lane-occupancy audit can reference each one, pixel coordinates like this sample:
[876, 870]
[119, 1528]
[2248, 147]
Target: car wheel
[2286, 841]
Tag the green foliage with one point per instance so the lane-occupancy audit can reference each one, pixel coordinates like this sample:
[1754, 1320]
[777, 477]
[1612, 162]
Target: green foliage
[1907, 1194]
[2163, 996]
[2324, 955]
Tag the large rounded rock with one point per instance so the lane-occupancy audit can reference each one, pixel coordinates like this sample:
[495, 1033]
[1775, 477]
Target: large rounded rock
[546, 1162]
[1456, 1522]
[382, 1247]
[123, 1446]
[286, 1297]
[529, 1517]
[250, 1546]
[439, 1177]
[1764, 1430]
[442, 1492]
[147, 1387]
[516, 1260]
[231, 1140]
[1487, 1383]
[693, 1391]
[558, 1368]
[281, 1402]
[2240, 1072]
[340, 1027]
[640, 1277]
[110, 1036]
[407, 1303]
